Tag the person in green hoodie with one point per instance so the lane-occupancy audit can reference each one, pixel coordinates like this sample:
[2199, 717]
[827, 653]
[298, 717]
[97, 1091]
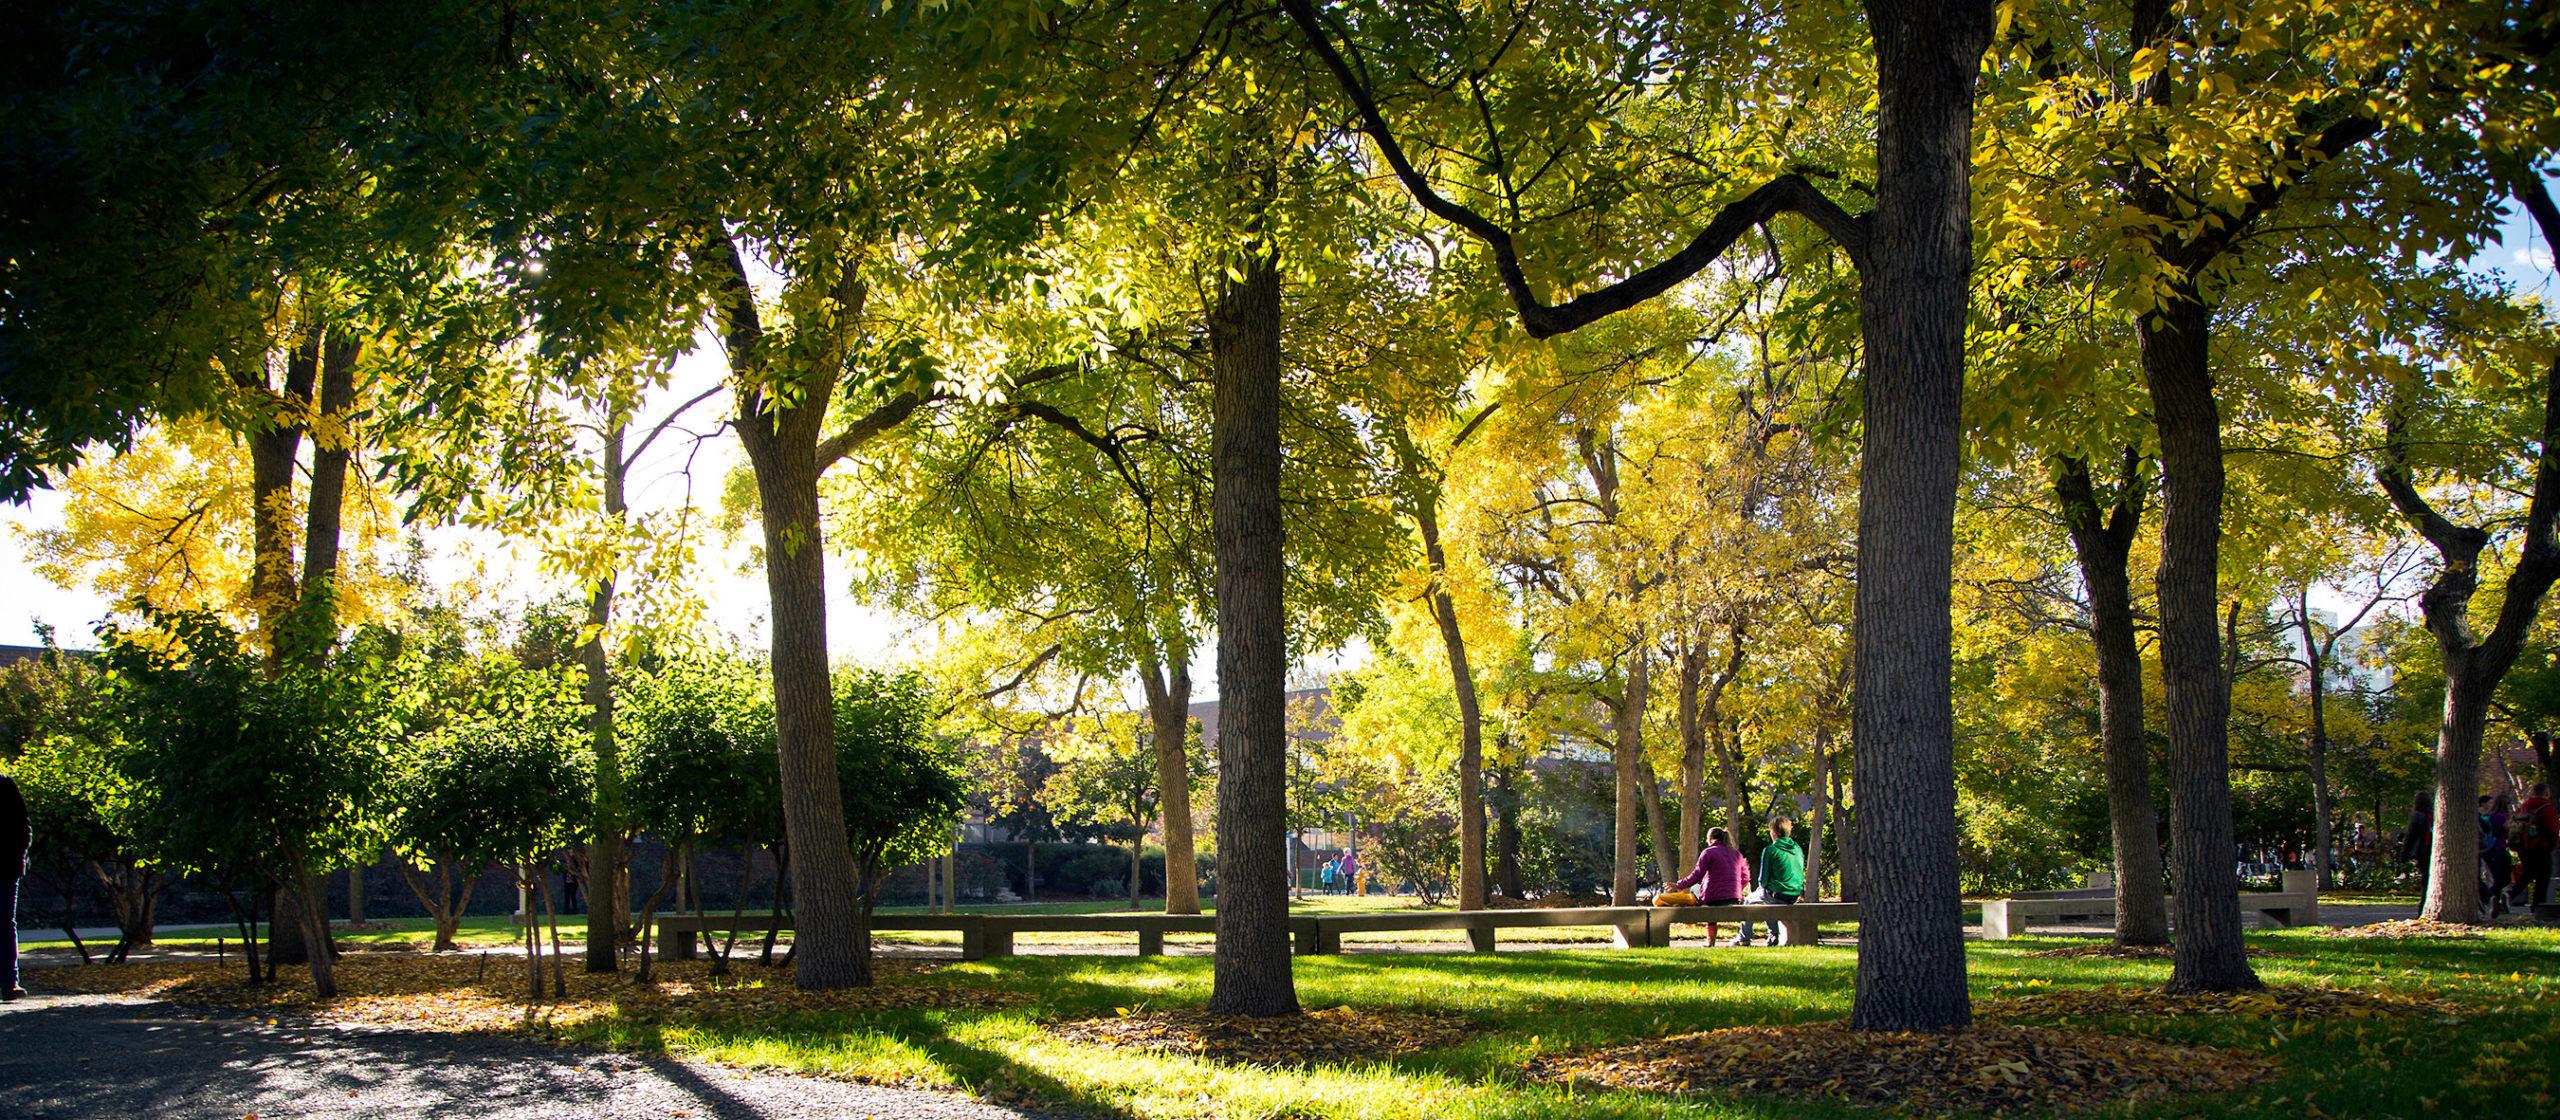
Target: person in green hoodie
[1781, 873]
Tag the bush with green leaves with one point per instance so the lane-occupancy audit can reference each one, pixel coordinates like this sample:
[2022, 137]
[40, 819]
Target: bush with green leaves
[61, 746]
[499, 778]
[903, 785]
[252, 774]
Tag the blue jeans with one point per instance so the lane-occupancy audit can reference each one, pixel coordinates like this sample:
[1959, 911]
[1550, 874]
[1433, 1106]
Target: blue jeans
[10, 973]
[1774, 900]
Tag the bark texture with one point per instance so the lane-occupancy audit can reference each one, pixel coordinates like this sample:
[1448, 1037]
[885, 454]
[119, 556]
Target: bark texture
[1626, 722]
[2103, 541]
[1251, 971]
[2208, 955]
[1912, 306]
[606, 907]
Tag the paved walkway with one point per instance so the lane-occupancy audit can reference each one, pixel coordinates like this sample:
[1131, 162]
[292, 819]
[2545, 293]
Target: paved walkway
[93, 1057]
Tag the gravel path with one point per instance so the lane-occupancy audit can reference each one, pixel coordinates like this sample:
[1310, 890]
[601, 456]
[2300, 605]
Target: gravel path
[85, 1057]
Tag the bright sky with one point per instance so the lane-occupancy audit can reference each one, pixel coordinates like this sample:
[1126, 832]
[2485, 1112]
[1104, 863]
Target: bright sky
[733, 588]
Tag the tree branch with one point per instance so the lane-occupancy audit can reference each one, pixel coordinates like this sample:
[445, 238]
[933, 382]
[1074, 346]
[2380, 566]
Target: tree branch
[1787, 193]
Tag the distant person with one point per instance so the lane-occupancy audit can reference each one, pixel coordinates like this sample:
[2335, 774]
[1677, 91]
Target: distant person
[1325, 873]
[1781, 873]
[1720, 877]
[17, 835]
[2417, 842]
[2497, 860]
[2535, 832]
[1351, 872]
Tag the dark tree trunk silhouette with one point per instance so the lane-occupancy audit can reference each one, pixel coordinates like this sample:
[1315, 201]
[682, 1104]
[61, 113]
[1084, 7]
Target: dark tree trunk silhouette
[607, 909]
[1626, 723]
[2103, 541]
[1252, 968]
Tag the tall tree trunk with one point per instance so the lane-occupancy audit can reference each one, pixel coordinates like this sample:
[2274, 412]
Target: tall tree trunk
[1650, 787]
[1693, 753]
[1462, 679]
[272, 583]
[607, 909]
[1627, 726]
[830, 947]
[1506, 834]
[1729, 771]
[2208, 953]
[1168, 688]
[2315, 663]
[1251, 972]
[1821, 812]
[1912, 308]
[2103, 543]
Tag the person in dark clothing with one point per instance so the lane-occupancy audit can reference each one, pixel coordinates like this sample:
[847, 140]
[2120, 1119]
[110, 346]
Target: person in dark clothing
[2537, 833]
[17, 834]
[2497, 863]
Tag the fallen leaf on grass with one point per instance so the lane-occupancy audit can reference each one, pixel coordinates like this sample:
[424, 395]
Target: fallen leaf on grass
[1994, 1069]
[2286, 1002]
[1338, 1034]
[2401, 928]
[449, 993]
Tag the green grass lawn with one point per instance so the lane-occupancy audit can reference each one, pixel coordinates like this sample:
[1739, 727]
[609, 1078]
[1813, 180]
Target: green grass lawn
[1542, 1001]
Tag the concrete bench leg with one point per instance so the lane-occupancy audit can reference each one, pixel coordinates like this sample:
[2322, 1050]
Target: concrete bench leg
[1798, 931]
[973, 943]
[1304, 940]
[1480, 938]
[1328, 943]
[1995, 920]
[998, 942]
[1151, 943]
[1637, 934]
[678, 944]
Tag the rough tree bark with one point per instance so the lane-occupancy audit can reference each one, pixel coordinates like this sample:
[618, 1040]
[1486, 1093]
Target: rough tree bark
[1911, 312]
[1168, 688]
[2208, 955]
[1693, 752]
[606, 907]
[2103, 541]
[831, 944]
[1251, 971]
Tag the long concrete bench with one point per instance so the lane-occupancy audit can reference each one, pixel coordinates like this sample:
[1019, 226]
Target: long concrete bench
[2296, 904]
[1323, 934]
[981, 935]
[1795, 923]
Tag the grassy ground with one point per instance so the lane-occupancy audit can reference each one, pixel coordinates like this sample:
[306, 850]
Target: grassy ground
[1003, 1044]
[1540, 1002]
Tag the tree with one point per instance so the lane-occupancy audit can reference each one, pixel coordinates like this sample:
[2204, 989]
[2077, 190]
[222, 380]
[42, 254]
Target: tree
[261, 778]
[494, 779]
[1914, 256]
[903, 784]
[1107, 778]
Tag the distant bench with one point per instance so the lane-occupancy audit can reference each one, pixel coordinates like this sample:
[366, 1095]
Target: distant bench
[2297, 903]
[981, 935]
[991, 935]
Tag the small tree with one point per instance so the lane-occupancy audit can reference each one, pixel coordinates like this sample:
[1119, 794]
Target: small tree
[699, 761]
[903, 785]
[1107, 781]
[1418, 841]
[497, 781]
[257, 777]
[61, 744]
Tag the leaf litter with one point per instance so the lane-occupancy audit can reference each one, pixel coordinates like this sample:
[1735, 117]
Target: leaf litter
[1335, 1034]
[1985, 1069]
[2405, 928]
[467, 993]
[2287, 1002]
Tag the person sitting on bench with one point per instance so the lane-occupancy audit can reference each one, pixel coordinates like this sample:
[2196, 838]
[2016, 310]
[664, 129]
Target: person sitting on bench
[1781, 874]
[1722, 875]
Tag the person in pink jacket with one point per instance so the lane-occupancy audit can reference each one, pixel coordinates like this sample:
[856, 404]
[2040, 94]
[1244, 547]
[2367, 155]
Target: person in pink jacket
[1721, 877]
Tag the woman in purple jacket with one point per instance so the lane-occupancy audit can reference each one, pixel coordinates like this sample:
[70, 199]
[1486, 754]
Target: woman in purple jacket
[1721, 877]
